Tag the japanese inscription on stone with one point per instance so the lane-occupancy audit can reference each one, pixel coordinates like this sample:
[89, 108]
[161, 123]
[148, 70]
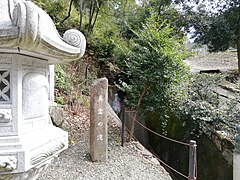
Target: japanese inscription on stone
[98, 120]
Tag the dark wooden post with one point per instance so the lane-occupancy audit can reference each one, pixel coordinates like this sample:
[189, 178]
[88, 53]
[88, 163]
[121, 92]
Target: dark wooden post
[192, 160]
[98, 120]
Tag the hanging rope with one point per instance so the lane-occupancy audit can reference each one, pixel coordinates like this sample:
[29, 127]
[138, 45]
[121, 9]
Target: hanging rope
[173, 140]
[167, 138]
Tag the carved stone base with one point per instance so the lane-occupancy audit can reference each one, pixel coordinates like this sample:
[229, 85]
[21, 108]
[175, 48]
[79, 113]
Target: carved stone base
[23, 157]
[31, 174]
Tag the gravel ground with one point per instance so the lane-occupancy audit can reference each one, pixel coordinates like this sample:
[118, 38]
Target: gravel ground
[131, 162]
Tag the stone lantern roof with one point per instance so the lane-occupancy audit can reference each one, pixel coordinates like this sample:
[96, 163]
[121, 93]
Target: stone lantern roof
[28, 30]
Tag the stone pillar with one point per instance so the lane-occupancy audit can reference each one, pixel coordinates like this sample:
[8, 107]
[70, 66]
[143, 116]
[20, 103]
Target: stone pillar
[98, 120]
[51, 82]
[236, 158]
[29, 43]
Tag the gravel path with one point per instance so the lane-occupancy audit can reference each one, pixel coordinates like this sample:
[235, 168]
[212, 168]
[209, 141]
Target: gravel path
[131, 162]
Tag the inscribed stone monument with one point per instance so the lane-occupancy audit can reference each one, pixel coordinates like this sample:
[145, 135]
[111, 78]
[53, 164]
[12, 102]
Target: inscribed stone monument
[98, 120]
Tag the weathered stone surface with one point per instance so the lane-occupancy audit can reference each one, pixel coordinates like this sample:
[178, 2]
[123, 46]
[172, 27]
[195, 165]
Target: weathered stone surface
[27, 29]
[35, 95]
[32, 174]
[224, 145]
[8, 163]
[98, 120]
[29, 42]
[113, 117]
[57, 117]
[5, 115]
[56, 114]
[65, 126]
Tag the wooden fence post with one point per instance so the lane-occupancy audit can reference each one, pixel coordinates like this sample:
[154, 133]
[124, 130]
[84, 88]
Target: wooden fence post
[192, 160]
[98, 120]
[236, 156]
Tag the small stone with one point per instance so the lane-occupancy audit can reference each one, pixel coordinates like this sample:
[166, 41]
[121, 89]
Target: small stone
[221, 134]
[56, 114]
[146, 153]
[65, 126]
[155, 161]
[139, 146]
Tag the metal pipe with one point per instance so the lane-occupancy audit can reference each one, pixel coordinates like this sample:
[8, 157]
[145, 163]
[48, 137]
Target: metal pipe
[123, 125]
[192, 160]
[236, 156]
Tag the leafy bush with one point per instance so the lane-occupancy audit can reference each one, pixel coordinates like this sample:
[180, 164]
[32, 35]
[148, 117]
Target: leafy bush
[58, 10]
[203, 107]
[62, 85]
[62, 81]
[152, 63]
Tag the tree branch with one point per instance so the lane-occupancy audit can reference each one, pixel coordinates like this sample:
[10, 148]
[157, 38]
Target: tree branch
[69, 12]
[95, 19]
[81, 14]
[135, 115]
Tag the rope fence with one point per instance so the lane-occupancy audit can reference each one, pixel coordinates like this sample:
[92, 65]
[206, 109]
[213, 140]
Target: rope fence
[164, 137]
[192, 171]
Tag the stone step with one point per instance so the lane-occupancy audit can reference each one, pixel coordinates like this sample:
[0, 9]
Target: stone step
[12, 146]
[10, 139]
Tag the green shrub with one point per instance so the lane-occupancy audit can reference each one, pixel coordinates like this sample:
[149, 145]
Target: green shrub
[62, 80]
[203, 107]
[152, 64]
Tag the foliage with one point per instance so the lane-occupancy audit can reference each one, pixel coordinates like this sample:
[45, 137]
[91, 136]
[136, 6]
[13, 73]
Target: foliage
[59, 100]
[109, 28]
[154, 68]
[168, 11]
[219, 29]
[57, 10]
[144, 41]
[62, 80]
[62, 84]
[216, 32]
[101, 41]
[203, 105]
[72, 83]
[117, 20]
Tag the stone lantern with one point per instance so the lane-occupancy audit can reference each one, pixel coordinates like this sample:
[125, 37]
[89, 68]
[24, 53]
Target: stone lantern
[29, 43]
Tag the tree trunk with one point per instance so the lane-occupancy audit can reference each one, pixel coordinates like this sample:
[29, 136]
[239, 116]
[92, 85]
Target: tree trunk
[69, 12]
[238, 42]
[96, 15]
[80, 14]
[80, 20]
[135, 115]
[91, 14]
